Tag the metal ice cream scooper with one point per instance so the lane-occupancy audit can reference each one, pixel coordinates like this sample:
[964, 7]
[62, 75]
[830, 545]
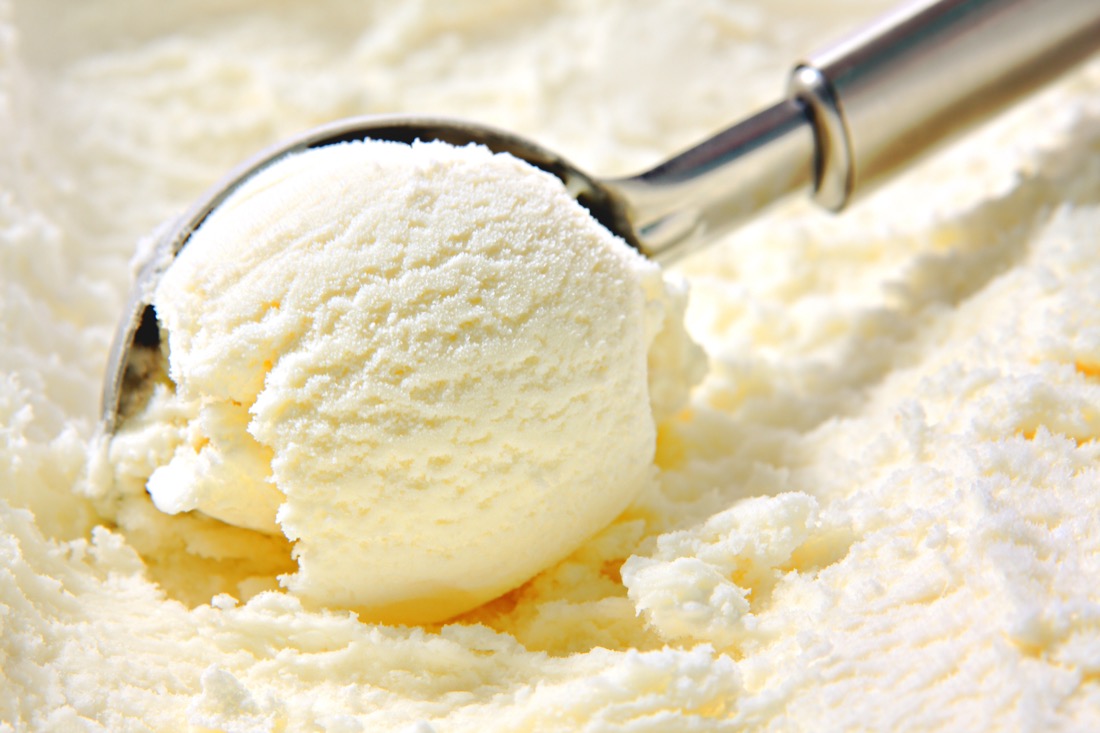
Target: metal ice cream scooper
[853, 115]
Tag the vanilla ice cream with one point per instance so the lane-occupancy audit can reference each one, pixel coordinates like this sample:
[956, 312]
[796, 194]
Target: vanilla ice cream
[425, 365]
[879, 511]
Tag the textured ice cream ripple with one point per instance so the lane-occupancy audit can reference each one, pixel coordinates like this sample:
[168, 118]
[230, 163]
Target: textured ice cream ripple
[93, 645]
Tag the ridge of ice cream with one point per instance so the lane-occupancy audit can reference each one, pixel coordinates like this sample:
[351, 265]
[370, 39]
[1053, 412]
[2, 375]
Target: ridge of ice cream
[427, 366]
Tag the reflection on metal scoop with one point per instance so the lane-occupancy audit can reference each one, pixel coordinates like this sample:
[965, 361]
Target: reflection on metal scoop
[854, 114]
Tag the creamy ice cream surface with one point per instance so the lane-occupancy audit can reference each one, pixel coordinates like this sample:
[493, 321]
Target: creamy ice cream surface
[425, 365]
[879, 511]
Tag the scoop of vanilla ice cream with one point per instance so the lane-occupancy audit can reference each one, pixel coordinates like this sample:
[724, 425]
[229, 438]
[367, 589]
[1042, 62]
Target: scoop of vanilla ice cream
[425, 365]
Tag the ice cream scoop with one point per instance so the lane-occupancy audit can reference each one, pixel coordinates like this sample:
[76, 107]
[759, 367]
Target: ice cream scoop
[855, 114]
[405, 359]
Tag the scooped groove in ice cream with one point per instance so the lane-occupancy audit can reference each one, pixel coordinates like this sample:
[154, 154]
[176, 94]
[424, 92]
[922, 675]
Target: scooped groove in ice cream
[426, 365]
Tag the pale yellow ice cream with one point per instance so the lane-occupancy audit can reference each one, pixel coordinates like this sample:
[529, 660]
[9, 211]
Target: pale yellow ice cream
[425, 365]
[879, 512]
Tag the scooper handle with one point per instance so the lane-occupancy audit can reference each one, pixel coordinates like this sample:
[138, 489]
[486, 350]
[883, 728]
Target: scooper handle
[861, 111]
[924, 73]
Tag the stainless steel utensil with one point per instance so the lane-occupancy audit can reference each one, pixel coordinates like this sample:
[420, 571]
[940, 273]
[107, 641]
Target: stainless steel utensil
[854, 114]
